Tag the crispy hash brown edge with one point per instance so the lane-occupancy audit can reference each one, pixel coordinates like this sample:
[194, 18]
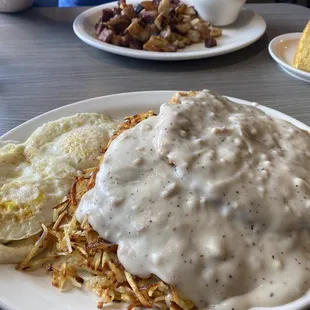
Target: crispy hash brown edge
[75, 255]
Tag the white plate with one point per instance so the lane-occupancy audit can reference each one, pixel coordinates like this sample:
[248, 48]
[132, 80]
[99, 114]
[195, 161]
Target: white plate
[28, 291]
[248, 28]
[282, 49]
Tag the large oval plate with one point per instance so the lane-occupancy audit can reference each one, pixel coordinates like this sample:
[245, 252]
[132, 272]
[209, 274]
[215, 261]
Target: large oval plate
[35, 291]
[248, 28]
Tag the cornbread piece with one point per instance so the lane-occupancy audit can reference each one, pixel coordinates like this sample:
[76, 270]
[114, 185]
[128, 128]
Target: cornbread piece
[302, 56]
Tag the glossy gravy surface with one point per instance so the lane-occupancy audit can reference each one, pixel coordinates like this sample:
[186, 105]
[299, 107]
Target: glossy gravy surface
[210, 196]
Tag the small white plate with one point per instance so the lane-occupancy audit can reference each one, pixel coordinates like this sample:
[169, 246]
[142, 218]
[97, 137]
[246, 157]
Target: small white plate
[248, 28]
[33, 291]
[282, 49]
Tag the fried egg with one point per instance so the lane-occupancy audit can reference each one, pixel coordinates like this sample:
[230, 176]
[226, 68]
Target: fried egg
[35, 176]
[59, 148]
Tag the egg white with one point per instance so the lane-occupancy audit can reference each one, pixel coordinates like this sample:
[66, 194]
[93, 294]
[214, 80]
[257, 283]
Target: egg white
[36, 176]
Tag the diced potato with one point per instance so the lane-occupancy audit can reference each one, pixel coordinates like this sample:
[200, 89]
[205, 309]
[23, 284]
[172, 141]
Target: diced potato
[164, 7]
[148, 16]
[118, 23]
[122, 4]
[195, 21]
[179, 44]
[215, 32]
[119, 40]
[116, 40]
[137, 32]
[185, 18]
[125, 41]
[129, 12]
[183, 28]
[181, 9]
[204, 30]
[191, 11]
[175, 36]
[152, 29]
[158, 44]
[161, 21]
[178, 40]
[193, 35]
[149, 5]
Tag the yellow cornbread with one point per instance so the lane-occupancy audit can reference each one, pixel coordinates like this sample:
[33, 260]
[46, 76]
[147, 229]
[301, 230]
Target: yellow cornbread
[302, 56]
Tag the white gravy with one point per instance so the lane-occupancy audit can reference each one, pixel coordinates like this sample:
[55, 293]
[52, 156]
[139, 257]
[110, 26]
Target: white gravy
[210, 196]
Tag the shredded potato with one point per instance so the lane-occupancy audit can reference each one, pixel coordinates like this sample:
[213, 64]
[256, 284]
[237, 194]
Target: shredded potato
[68, 250]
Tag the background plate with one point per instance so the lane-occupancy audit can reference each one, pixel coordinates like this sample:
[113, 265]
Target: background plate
[248, 28]
[282, 49]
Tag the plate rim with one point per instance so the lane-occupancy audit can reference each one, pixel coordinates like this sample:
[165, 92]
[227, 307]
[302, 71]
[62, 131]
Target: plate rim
[72, 109]
[160, 56]
[305, 76]
[293, 74]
